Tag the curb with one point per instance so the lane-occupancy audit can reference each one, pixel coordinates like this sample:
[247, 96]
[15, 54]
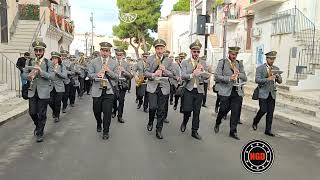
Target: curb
[2, 122]
[280, 116]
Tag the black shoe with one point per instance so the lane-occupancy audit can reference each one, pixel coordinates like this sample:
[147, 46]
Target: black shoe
[158, 134]
[88, 94]
[35, 131]
[239, 122]
[56, 119]
[139, 106]
[145, 110]
[120, 120]
[72, 105]
[216, 110]
[254, 127]
[105, 136]
[128, 91]
[269, 134]
[64, 111]
[203, 105]
[113, 115]
[183, 127]
[39, 138]
[196, 135]
[137, 101]
[234, 136]
[99, 129]
[216, 128]
[149, 127]
[166, 121]
[174, 107]
[171, 103]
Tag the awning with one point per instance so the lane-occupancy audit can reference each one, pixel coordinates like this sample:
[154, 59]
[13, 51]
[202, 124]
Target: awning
[54, 1]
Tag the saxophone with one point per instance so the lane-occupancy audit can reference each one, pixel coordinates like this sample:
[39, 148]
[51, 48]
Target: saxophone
[33, 73]
[141, 79]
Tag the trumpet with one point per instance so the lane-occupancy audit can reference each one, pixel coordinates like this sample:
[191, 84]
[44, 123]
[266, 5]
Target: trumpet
[33, 73]
[103, 82]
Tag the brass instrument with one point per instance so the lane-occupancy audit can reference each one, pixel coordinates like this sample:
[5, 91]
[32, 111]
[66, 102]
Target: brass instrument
[103, 82]
[140, 80]
[33, 73]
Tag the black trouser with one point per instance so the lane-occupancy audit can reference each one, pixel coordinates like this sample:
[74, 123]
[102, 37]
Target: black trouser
[143, 99]
[218, 101]
[72, 96]
[129, 85]
[181, 103]
[233, 103]
[87, 86]
[192, 103]
[266, 106]
[55, 102]
[121, 99]
[38, 112]
[166, 108]
[81, 88]
[103, 104]
[205, 93]
[172, 92]
[157, 103]
[66, 95]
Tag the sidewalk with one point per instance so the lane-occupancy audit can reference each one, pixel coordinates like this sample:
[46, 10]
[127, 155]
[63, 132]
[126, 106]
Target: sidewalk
[298, 108]
[12, 109]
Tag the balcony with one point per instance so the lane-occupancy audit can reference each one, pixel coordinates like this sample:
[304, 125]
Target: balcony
[61, 23]
[262, 4]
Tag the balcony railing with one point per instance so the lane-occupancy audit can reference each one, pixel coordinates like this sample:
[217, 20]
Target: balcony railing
[60, 22]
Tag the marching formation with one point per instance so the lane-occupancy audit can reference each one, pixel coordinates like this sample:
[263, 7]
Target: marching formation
[160, 80]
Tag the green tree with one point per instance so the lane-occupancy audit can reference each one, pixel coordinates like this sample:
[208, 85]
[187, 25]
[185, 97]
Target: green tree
[148, 13]
[182, 5]
[121, 44]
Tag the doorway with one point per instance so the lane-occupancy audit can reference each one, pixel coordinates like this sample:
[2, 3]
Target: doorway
[4, 21]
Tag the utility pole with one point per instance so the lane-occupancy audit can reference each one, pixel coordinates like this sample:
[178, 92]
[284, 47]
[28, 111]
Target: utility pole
[225, 21]
[91, 19]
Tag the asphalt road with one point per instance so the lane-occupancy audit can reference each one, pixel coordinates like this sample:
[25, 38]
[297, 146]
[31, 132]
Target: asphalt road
[73, 150]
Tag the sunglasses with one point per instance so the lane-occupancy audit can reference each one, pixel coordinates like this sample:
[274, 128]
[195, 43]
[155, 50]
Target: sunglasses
[196, 52]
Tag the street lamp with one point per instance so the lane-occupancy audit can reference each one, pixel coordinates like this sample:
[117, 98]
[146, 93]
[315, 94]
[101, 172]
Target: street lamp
[86, 35]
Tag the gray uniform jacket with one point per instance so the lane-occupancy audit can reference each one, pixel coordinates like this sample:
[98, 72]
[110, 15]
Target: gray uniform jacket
[139, 68]
[222, 76]
[186, 75]
[75, 73]
[67, 65]
[58, 78]
[127, 70]
[95, 67]
[176, 73]
[152, 83]
[266, 86]
[41, 82]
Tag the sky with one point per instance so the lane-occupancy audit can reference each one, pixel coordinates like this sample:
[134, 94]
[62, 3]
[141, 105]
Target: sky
[105, 14]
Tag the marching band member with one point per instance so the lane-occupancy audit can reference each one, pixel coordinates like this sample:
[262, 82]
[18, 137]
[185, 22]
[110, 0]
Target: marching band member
[158, 86]
[141, 86]
[103, 68]
[266, 81]
[228, 73]
[125, 76]
[193, 73]
[39, 76]
[67, 81]
[57, 86]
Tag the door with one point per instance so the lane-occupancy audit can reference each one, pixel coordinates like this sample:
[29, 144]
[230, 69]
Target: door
[4, 21]
[249, 28]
